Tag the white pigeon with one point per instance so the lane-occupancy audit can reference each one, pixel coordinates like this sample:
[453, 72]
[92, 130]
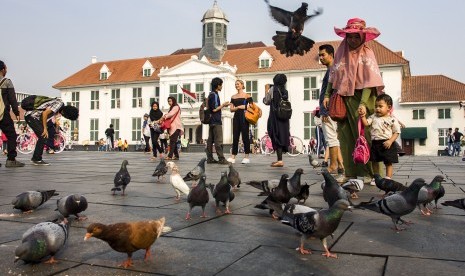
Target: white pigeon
[176, 181]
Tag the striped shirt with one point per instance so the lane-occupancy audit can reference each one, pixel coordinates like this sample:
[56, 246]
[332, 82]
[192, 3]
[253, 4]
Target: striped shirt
[55, 105]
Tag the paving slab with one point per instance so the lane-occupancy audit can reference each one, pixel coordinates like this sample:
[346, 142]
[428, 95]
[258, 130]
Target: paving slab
[397, 266]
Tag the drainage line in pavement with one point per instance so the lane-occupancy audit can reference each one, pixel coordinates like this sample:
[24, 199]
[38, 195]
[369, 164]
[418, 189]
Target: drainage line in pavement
[248, 253]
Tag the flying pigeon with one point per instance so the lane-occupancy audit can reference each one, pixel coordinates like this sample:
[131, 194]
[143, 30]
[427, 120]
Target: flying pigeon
[42, 240]
[161, 169]
[388, 185]
[197, 171]
[30, 200]
[176, 181]
[428, 193]
[128, 237]
[122, 178]
[198, 196]
[292, 42]
[313, 162]
[233, 177]
[458, 203]
[72, 205]
[318, 224]
[397, 204]
[332, 192]
[222, 192]
[293, 184]
[266, 186]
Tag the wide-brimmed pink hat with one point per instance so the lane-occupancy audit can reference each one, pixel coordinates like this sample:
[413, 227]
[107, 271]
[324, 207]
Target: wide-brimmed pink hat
[357, 25]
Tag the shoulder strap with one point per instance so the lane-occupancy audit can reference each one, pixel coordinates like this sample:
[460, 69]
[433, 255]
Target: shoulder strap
[2, 81]
[361, 128]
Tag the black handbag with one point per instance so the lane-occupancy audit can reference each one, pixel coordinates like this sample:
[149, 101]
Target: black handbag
[284, 110]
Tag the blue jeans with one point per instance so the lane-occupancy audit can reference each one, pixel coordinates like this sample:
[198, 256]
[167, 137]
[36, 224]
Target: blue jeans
[456, 150]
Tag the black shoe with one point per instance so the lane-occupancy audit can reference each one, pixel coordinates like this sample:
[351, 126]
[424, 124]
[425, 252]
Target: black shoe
[223, 162]
[212, 161]
[40, 163]
[324, 164]
[13, 164]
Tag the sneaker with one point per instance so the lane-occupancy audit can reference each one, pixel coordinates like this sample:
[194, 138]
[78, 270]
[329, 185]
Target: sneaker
[245, 161]
[13, 164]
[324, 164]
[372, 182]
[223, 162]
[341, 178]
[212, 161]
[231, 160]
[40, 163]
[51, 151]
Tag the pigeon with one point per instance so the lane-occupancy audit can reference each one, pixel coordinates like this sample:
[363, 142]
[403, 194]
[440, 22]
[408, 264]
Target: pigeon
[279, 208]
[353, 186]
[332, 192]
[160, 170]
[222, 192]
[313, 162]
[303, 194]
[280, 195]
[318, 224]
[388, 185]
[266, 186]
[122, 178]
[30, 200]
[293, 184]
[396, 205]
[458, 203]
[176, 181]
[292, 42]
[197, 172]
[198, 196]
[233, 177]
[128, 237]
[72, 205]
[428, 193]
[42, 240]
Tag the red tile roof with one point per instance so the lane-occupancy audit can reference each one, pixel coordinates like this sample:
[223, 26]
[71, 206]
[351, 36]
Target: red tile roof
[244, 56]
[431, 88]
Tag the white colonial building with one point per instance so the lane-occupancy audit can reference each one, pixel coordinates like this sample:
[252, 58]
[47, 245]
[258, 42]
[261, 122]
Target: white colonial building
[120, 92]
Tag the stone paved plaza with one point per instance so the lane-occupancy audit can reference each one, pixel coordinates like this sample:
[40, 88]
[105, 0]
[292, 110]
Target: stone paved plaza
[247, 242]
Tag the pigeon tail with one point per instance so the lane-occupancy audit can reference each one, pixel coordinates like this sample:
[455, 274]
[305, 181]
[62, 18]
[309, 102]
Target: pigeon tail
[116, 189]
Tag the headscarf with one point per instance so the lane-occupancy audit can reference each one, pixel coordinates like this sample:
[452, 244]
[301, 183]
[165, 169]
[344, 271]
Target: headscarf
[355, 69]
[155, 115]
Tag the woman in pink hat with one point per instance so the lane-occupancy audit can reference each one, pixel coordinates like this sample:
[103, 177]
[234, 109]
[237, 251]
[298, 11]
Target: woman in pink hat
[356, 77]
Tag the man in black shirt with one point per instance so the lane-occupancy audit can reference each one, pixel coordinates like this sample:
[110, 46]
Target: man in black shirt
[458, 137]
[110, 133]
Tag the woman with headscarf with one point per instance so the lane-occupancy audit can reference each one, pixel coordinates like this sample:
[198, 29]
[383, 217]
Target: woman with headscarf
[278, 129]
[356, 77]
[155, 116]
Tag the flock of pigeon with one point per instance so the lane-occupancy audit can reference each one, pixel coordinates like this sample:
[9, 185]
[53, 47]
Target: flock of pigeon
[47, 238]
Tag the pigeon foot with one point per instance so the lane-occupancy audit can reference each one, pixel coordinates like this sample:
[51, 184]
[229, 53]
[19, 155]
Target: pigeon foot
[304, 251]
[329, 255]
[227, 211]
[51, 261]
[147, 254]
[126, 263]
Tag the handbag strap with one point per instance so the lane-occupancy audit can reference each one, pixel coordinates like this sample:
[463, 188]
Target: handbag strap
[361, 128]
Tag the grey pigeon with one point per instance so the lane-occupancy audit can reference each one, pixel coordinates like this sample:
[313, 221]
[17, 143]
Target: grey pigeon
[122, 178]
[294, 184]
[30, 200]
[72, 205]
[292, 42]
[233, 177]
[313, 162]
[388, 185]
[280, 195]
[42, 240]
[398, 204]
[197, 172]
[266, 186]
[318, 224]
[161, 169]
[222, 192]
[303, 194]
[279, 208]
[428, 193]
[458, 203]
[332, 192]
[198, 196]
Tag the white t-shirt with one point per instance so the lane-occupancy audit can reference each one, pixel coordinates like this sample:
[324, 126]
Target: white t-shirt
[382, 128]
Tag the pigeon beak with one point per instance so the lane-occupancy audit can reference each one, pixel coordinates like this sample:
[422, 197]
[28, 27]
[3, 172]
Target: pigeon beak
[87, 236]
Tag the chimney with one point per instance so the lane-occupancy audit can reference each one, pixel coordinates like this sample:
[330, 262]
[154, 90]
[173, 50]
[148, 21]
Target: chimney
[94, 59]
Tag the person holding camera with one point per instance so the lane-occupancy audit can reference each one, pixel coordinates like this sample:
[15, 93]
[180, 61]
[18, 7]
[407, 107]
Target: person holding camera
[278, 129]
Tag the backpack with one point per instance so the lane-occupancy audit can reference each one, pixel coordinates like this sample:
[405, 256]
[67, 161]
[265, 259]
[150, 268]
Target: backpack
[2, 104]
[361, 153]
[32, 102]
[205, 114]
[284, 111]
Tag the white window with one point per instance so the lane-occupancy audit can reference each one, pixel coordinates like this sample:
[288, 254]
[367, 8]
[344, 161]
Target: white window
[74, 99]
[174, 93]
[418, 114]
[442, 136]
[199, 91]
[115, 98]
[137, 97]
[94, 129]
[185, 98]
[308, 123]
[115, 123]
[103, 75]
[75, 130]
[264, 63]
[136, 129]
[94, 100]
[444, 113]
[311, 92]
[251, 87]
[147, 72]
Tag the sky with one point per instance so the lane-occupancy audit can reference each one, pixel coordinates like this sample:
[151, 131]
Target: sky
[44, 42]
